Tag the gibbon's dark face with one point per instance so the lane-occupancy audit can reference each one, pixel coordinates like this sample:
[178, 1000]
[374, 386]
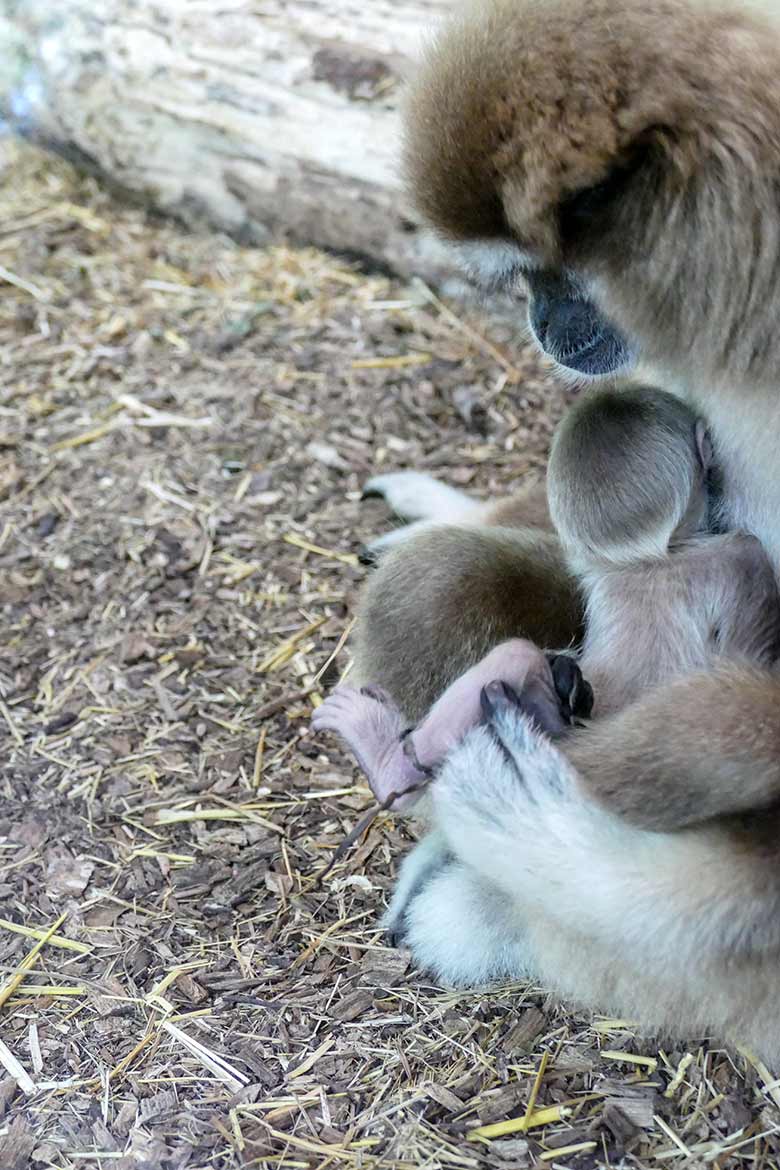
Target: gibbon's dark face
[569, 327]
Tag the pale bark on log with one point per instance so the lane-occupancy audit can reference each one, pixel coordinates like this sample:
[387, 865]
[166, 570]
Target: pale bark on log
[262, 117]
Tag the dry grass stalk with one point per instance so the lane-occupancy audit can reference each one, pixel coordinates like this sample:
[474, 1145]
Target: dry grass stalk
[28, 962]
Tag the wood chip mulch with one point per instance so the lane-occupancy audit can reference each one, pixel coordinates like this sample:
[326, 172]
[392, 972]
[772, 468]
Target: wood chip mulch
[185, 426]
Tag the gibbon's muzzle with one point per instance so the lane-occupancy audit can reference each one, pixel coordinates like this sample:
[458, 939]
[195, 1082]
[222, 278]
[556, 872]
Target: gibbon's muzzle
[569, 327]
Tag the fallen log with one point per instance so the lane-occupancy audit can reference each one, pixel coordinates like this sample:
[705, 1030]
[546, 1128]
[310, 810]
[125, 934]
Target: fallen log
[262, 118]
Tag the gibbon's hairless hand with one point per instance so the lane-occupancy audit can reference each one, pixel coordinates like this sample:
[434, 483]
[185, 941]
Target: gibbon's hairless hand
[620, 159]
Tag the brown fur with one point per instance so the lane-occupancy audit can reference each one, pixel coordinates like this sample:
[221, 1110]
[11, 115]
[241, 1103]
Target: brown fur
[631, 761]
[528, 508]
[504, 582]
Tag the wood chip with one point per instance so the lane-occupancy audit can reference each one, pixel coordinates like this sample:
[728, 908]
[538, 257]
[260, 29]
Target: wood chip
[522, 1036]
[385, 968]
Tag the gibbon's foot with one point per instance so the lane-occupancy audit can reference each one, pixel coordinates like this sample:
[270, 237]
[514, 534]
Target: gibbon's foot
[398, 762]
[518, 664]
[370, 724]
[415, 495]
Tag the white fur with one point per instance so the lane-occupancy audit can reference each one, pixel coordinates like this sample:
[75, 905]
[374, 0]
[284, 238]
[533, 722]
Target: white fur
[459, 927]
[428, 856]
[528, 829]
[465, 930]
[493, 264]
[418, 497]
[379, 544]
[414, 495]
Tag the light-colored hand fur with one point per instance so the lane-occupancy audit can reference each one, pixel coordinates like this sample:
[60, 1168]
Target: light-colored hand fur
[642, 873]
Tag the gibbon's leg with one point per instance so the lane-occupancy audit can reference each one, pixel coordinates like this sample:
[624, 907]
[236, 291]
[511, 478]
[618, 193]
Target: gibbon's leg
[417, 497]
[527, 508]
[440, 602]
[515, 823]
[398, 761]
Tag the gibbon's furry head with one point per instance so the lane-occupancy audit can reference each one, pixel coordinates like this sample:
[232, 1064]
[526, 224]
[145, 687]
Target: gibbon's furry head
[633, 145]
[626, 477]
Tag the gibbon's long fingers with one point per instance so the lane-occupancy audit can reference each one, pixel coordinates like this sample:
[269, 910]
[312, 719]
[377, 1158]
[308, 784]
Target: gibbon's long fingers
[537, 699]
[498, 700]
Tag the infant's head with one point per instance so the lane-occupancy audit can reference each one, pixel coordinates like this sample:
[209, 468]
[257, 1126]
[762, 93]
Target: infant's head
[627, 477]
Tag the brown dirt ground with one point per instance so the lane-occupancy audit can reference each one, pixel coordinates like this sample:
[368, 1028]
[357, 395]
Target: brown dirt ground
[184, 429]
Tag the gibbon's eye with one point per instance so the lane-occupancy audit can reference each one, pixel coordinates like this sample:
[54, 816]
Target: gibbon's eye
[580, 209]
[570, 328]
[583, 205]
